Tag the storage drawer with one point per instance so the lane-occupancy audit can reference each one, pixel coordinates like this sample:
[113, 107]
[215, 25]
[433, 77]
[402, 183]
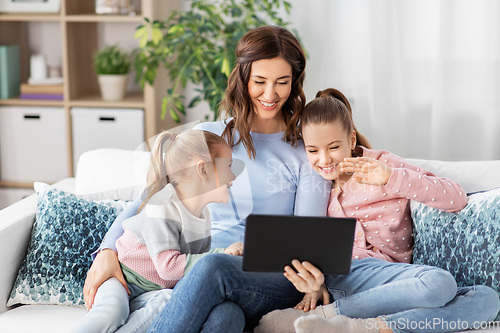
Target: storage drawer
[33, 144]
[95, 128]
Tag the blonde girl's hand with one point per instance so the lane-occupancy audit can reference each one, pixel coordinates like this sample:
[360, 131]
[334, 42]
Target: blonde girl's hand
[310, 300]
[309, 279]
[235, 249]
[104, 266]
[366, 170]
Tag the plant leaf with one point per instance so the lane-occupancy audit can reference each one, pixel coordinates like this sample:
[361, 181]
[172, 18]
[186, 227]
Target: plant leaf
[140, 32]
[195, 101]
[225, 67]
[144, 40]
[179, 106]
[164, 102]
[174, 116]
[157, 36]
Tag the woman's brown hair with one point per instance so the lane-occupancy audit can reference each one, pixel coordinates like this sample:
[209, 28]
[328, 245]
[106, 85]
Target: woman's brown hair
[329, 106]
[169, 164]
[262, 43]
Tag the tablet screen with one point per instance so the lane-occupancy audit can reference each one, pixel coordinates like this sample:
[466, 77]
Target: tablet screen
[273, 241]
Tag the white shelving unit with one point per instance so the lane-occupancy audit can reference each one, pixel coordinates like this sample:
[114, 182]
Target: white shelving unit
[80, 34]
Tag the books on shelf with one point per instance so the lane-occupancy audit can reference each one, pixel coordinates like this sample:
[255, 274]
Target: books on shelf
[45, 92]
[9, 71]
[46, 81]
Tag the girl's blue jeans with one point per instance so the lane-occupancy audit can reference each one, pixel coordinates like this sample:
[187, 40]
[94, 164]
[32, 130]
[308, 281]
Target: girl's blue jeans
[404, 296]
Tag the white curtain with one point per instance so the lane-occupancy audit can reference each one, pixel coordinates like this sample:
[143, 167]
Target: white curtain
[423, 76]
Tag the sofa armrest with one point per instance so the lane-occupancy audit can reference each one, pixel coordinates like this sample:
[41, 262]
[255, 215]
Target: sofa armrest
[15, 229]
[16, 222]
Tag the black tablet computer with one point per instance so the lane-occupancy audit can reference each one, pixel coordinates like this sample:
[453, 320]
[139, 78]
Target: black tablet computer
[273, 241]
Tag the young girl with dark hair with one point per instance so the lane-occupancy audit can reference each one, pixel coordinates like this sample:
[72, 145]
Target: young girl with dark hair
[375, 187]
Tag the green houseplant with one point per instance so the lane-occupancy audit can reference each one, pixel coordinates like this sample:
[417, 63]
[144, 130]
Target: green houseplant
[198, 46]
[112, 66]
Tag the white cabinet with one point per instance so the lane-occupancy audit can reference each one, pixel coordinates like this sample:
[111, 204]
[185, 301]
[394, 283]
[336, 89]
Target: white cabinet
[9, 196]
[95, 128]
[33, 144]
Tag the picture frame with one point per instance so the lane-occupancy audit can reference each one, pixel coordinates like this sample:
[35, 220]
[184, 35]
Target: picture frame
[30, 6]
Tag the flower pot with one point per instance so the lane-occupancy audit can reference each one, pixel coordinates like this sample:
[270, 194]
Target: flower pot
[112, 86]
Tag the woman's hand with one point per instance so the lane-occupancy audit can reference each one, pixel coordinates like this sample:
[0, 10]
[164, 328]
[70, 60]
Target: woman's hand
[105, 266]
[235, 249]
[311, 299]
[309, 278]
[366, 170]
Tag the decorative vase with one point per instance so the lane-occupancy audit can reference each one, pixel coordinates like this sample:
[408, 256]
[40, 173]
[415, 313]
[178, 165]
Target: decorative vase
[112, 87]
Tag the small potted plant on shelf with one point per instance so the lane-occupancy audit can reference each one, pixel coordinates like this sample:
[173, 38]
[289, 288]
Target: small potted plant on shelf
[112, 66]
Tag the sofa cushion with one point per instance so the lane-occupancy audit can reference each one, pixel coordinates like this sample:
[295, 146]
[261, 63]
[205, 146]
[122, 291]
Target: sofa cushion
[466, 243]
[112, 174]
[66, 231]
[473, 176]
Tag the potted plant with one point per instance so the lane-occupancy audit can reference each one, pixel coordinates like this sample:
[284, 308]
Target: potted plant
[112, 66]
[198, 46]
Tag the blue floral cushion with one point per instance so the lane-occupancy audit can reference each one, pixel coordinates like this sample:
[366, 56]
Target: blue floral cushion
[466, 243]
[66, 231]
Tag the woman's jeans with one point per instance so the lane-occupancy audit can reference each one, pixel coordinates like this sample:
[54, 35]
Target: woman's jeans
[406, 297]
[112, 306]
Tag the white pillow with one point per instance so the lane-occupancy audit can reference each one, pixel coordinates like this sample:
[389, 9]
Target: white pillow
[112, 174]
[473, 176]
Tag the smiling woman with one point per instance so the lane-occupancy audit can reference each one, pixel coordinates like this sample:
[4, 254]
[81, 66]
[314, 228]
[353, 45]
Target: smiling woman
[269, 87]
[271, 59]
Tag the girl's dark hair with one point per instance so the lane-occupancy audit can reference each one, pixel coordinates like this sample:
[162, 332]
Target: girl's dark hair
[262, 43]
[329, 106]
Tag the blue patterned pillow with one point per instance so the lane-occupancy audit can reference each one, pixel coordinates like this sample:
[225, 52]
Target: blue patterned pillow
[66, 231]
[466, 243]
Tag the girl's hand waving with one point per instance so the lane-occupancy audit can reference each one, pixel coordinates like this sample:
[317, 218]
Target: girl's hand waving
[366, 170]
[235, 249]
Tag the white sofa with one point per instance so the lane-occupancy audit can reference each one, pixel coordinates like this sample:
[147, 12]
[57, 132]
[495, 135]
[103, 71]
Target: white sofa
[118, 174]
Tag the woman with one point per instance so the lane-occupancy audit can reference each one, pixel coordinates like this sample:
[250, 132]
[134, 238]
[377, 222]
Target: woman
[263, 96]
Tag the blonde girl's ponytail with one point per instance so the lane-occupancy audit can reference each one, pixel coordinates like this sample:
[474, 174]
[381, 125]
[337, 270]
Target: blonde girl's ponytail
[170, 163]
[329, 106]
[157, 177]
